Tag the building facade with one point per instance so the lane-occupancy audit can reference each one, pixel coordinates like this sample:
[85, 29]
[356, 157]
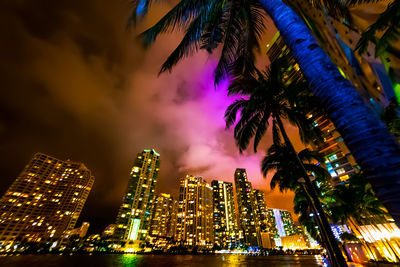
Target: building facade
[283, 222]
[195, 213]
[162, 219]
[261, 210]
[225, 223]
[338, 159]
[134, 215]
[45, 201]
[248, 223]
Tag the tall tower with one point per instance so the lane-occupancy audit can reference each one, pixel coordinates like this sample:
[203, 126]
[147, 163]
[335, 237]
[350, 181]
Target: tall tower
[225, 224]
[195, 221]
[134, 214]
[45, 201]
[162, 219]
[245, 199]
[261, 210]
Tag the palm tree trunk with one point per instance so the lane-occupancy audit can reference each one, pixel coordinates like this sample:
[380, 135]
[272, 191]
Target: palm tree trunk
[324, 236]
[355, 229]
[371, 144]
[338, 259]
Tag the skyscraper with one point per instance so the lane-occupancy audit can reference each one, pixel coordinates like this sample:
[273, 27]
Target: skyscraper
[195, 221]
[283, 222]
[247, 219]
[162, 219]
[134, 214]
[261, 210]
[45, 201]
[225, 224]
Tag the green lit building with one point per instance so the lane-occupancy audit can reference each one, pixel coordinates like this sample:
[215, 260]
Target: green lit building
[283, 222]
[134, 215]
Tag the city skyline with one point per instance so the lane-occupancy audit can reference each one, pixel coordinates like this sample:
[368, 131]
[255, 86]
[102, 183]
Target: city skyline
[140, 127]
[133, 172]
[111, 104]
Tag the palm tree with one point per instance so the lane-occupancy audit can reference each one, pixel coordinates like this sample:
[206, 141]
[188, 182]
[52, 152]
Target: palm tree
[388, 24]
[287, 171]
[236, 26]
[354, 203]
[390, 116]
[271, 97]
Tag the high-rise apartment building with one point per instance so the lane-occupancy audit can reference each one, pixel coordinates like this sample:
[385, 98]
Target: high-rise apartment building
[195, 213]
[225, 223]
[338, 160]
[162, 219]
[45, 201]
[261, 210]
[283, 222]
[272, 224]
[368, 73]
[247, 220]
[137, 204]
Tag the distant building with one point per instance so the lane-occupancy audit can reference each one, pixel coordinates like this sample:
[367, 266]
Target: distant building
[134, 214]
[247, 210]
[225, 223]
[162, 220]
[295, 241]
[81, 231]
[109, 231]
[273, 230]
[338, 159]
[261, 210]
[195, 208]
[283, 222]
[45, 201]
[267, 240]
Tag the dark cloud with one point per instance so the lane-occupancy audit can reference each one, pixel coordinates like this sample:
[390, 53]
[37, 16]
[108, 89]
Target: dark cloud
[75, 85]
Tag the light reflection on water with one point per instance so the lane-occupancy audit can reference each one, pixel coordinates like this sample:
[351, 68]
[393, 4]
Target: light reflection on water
[226, 260]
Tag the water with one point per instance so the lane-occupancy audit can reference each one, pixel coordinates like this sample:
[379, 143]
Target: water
[119, 260]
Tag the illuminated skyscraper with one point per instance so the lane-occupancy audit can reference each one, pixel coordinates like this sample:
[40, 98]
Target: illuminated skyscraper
[225, 224]
[162, 220]
[80, 231]
[134, 214]
[271, 223]
[195, 213]
[45, 201]
[261, 210]
[247, 215]
[283, 222]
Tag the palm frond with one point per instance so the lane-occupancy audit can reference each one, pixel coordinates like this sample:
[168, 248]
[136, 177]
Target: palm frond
[389, 23]
[190, 42]
[262, 127]
[308, 155]
[231, 111]
[245, 129]
[180, 16]
[232, 31]
[334, 8]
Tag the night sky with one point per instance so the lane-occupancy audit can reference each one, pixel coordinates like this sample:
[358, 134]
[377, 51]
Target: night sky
[75, 84]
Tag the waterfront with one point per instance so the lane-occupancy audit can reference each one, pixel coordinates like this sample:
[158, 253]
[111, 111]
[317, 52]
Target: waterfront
[121, 260]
